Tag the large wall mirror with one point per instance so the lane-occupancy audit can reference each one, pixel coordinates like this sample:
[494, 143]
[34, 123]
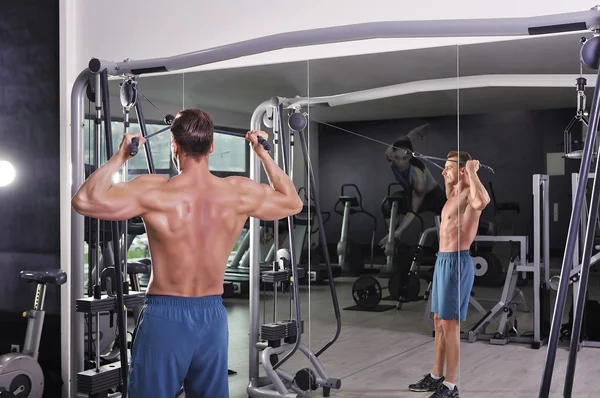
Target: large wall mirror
[382, 125]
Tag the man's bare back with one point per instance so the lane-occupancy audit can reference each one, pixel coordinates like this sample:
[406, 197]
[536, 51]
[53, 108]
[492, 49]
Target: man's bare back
[192, 220]
[191, 236]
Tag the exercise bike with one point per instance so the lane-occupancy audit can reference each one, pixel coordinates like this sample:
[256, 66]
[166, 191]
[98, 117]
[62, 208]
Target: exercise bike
[20, 374]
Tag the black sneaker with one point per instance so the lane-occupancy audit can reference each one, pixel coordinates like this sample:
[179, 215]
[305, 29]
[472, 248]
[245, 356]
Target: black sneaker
[444, 392]
[426, 384]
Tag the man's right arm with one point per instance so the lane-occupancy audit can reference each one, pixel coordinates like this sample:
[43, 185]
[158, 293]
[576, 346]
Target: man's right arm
[268, 202]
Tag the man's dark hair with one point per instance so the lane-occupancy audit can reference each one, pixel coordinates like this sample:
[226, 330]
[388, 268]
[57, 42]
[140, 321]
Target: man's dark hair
[193, 131]
[462, 157]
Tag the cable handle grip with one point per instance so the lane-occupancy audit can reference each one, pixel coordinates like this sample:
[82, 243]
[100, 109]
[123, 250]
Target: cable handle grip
[134, 146]
[265, 144]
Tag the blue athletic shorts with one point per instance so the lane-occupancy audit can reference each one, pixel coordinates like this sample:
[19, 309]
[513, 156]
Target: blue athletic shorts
[451, 288]
[180, 341]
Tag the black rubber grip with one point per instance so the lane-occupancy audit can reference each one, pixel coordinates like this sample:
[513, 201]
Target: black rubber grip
[134, 146]
[265, 144]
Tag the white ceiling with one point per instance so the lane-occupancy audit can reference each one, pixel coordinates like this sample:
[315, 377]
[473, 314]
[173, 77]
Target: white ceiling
[242, 89]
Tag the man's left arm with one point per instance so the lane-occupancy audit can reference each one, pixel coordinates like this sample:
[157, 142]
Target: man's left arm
[99, 197]
[478, 195]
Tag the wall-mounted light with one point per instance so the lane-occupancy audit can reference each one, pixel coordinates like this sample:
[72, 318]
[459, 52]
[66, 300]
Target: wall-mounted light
[7, 173]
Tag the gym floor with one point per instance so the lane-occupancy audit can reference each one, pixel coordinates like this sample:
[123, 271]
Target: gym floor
[379, 354]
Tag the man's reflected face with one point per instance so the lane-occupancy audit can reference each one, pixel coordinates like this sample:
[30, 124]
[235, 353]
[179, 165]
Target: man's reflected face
[401, 158]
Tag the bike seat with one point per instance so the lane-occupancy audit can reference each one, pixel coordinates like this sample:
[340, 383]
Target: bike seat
[52, 277]
[135, 228]
[137, 268]
[352, 199]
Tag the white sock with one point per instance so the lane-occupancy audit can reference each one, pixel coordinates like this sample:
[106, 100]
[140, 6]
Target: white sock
[449, 385]
[435, 377]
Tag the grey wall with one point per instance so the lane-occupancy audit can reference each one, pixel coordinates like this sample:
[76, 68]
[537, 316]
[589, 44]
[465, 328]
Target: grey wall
[29, 113]
[513, 143]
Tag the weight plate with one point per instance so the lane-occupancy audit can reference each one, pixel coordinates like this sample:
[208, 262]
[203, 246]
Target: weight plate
[404, 286]
[490, 263]
[20, 385]
[481, 266]
[366, 292]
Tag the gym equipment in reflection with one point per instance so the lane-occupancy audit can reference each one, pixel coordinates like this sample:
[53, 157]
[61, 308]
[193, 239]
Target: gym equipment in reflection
[394, 205]
[404, 285]
[350, 255]
[284, 338]
[20, 373]
[310, 258]
[274, 235]
[511, 297]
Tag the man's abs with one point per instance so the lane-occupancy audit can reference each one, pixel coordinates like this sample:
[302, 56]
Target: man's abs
[457, 234]
[190, 242]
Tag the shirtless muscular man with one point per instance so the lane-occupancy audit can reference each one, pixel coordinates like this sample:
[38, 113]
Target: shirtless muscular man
[192, 221]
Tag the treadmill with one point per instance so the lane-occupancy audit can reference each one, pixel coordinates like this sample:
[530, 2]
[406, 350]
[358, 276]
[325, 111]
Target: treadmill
[237, 279]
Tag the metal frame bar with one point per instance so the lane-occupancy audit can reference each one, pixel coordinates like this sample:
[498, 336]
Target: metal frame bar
[71, 321]
[571, 248]
[527, 26]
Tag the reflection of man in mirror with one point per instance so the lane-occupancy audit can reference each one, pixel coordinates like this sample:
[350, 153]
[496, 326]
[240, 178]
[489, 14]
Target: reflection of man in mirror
[421, 189]
[454, 271]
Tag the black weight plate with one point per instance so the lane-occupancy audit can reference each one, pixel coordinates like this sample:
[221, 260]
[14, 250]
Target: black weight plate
[21, 381]
[404, 285]
[493, 275]
[366, 292]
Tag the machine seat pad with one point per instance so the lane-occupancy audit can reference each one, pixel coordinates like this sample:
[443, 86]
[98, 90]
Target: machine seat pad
[52, 277]
[138, 268]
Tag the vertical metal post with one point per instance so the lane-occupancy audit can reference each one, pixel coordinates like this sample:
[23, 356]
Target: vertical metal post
[585, 260]
[142, 123]
[71, 320]
[344, 237]
[115, 230]
[570, 248]
[254, 277]
[323, 240]
[536, 256]
[277, 136]
[546, 233]
[577, 253]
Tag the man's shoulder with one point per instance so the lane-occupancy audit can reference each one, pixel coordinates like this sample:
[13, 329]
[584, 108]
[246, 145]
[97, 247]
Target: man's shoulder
[151, 179]
[237, 181]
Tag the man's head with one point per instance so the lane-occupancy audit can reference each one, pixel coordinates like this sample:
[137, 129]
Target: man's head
[398, 153]
[455, 166]
[192, 132]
